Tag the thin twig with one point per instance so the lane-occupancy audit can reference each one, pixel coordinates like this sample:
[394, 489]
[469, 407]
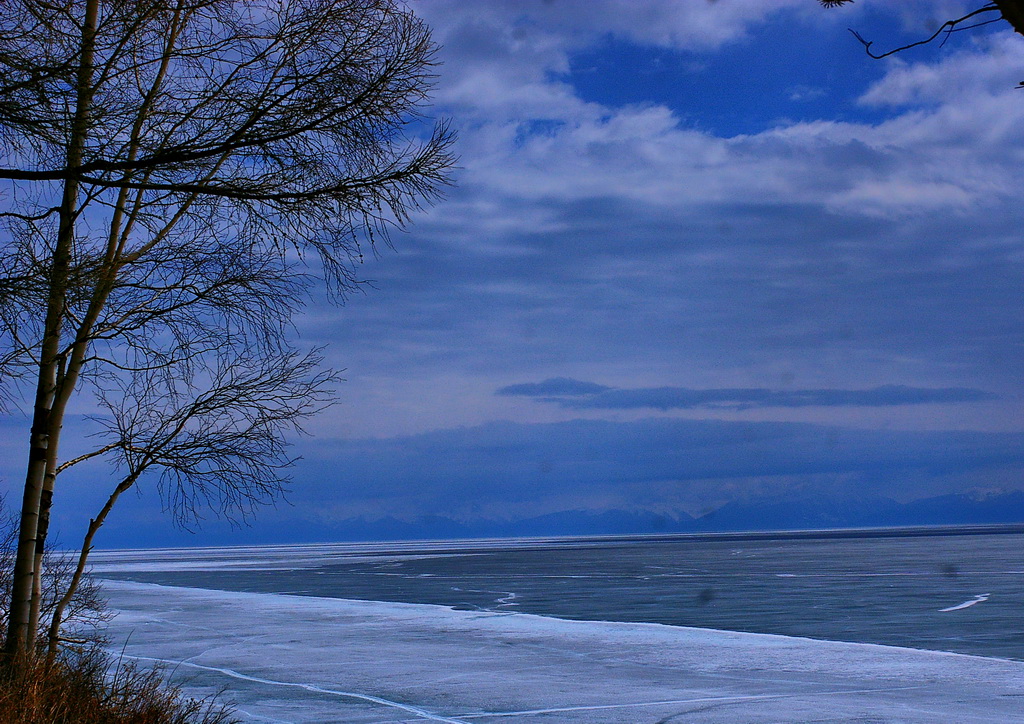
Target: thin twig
[947, 27]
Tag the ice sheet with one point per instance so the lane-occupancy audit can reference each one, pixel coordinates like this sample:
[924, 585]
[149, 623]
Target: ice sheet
[283, 557]
[302, 659]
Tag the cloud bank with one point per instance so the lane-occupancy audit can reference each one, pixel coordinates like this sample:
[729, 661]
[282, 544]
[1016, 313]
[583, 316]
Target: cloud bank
[553, 387]
[510, 471]
[577, 395]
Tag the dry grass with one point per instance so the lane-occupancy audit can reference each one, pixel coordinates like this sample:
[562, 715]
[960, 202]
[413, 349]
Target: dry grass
[84, 689]
[83, 686]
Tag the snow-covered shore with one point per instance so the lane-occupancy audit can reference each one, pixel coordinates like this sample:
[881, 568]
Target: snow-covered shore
[302, 659]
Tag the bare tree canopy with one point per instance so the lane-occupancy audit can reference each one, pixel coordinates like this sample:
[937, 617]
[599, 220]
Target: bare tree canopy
[175, 174]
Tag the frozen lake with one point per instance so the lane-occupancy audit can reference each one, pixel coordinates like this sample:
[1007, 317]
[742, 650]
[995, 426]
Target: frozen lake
[304, 659]
[961, 593]
[449, 632]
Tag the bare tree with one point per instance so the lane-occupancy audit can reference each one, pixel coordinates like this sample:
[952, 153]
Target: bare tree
[178, 172]
[214, 442]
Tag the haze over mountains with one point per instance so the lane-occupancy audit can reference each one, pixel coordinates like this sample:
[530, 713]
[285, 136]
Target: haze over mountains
[764, 514]
[754, 515]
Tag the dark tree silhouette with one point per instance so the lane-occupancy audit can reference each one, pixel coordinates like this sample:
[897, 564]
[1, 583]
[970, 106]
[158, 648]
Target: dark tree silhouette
[176, 173]
[1010, 11]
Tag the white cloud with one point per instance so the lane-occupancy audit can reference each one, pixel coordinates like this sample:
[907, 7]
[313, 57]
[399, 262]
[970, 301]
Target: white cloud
[502, 58]
[957, 147]
[992, 70]
[690, 25]
[694, 25]
[891, 197]
[622, 242]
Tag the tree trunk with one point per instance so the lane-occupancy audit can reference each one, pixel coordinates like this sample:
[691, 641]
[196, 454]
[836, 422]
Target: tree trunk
[45, 434]
[19, 639]
[45, 503]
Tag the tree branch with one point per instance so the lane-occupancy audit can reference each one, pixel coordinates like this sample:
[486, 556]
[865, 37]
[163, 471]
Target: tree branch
[947, 27]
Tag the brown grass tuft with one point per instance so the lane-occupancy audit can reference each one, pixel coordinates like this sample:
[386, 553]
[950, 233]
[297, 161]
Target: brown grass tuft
[83, 689]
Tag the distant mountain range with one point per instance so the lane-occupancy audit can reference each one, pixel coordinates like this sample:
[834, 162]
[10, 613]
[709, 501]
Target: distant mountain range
[755, 515]
[762, 514]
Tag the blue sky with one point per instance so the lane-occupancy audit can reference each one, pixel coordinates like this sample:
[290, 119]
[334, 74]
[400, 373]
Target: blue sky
[696, 252]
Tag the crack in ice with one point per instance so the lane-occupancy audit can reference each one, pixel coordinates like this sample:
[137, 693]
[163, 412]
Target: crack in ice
[670, 702]
[422, 713]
